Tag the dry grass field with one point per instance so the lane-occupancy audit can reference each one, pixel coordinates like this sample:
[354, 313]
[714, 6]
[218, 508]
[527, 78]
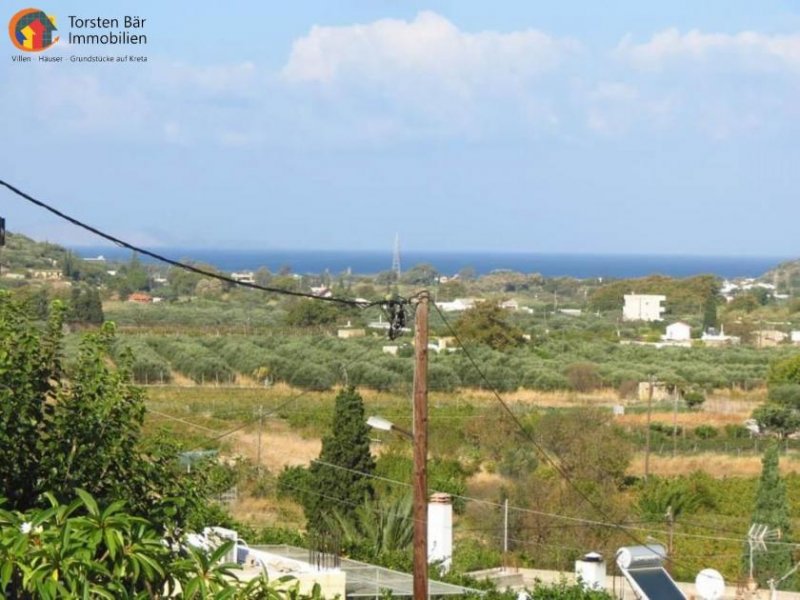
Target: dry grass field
[715, 464]
[201, 413]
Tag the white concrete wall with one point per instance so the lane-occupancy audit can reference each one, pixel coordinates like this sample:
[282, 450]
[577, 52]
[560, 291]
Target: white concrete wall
[643, 307]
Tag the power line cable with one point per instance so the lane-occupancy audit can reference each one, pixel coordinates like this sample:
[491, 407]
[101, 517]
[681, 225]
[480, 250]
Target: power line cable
[293, 398]
[186, 266]
[577, 520]
[546, 455]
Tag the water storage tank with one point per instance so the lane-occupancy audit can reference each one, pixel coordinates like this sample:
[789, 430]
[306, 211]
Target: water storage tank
[640, 557]
[591, 571]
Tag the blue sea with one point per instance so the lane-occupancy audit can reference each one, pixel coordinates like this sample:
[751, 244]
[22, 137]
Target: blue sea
[448, 263]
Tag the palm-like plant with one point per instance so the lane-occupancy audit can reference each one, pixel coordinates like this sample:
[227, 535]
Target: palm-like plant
[377, 527]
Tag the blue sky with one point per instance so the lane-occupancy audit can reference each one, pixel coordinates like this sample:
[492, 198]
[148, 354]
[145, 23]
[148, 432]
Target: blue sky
[615, 127]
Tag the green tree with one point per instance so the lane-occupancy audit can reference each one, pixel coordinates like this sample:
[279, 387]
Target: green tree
[262, 276]
[784, 371]
[85, 305]
[781, 420]
[694, 399]
[710, 313]
[422, 274]
[181, 281]
[583, 377]
[345, 485]
[486, 324]
[772, 509]
[451, 290]
[58, 433]
[781, 414]
[131, 277]
[304, 312]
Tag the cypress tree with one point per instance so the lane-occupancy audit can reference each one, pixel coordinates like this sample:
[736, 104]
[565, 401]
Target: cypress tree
[347, 446]
[94, 307]
[772, 509]
[710, 313]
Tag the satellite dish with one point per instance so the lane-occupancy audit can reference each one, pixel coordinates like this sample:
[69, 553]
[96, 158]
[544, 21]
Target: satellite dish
[710, 584]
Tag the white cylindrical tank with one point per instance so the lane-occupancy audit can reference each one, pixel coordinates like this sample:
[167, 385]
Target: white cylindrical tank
[631, 557]
[440, 531]
[591, 571]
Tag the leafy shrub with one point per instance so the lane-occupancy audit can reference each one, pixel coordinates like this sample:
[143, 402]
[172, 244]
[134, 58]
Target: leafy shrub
[442, 378]
[312, 376]
[545, 380]
[787, 394]
[706, 432]
[583, 377]
[502, 378]
[444, 475]
[518, 461]
[371, 376]
[736, 432]
[694, 399]
[294, 483]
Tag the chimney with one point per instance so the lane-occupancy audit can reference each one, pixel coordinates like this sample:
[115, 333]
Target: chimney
[591, 571]
[440, 531]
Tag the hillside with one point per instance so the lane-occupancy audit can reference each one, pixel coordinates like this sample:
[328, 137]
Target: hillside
[786, 276]
[21, 252]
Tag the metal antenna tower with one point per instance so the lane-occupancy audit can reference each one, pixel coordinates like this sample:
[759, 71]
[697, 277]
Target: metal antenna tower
[396, 256]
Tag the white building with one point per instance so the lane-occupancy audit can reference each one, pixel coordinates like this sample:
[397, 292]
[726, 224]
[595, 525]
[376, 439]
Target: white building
[795, 337]
[244, 277]
[678, 332]
[643, 307]
[510, 304]
[458, 304]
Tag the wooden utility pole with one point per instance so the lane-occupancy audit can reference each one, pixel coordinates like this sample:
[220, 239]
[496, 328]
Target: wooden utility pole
[420, 433]
[647, 431]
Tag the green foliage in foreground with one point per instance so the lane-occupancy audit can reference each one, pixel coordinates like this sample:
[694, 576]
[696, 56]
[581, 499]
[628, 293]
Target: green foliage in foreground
[83, 550]
[81, 427]
[772, 509]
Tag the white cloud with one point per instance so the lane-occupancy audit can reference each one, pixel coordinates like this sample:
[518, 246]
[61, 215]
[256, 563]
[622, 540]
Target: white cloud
[86, 103]
[225, 79]
[745, 49]
[428, 46]
[429, 76]
[614, 107]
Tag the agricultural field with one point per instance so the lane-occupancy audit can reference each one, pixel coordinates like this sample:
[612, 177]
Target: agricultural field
[478, 455]
[320, 362]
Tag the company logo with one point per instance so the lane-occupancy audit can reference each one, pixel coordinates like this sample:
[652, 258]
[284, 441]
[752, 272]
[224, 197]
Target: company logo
[31, 30]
